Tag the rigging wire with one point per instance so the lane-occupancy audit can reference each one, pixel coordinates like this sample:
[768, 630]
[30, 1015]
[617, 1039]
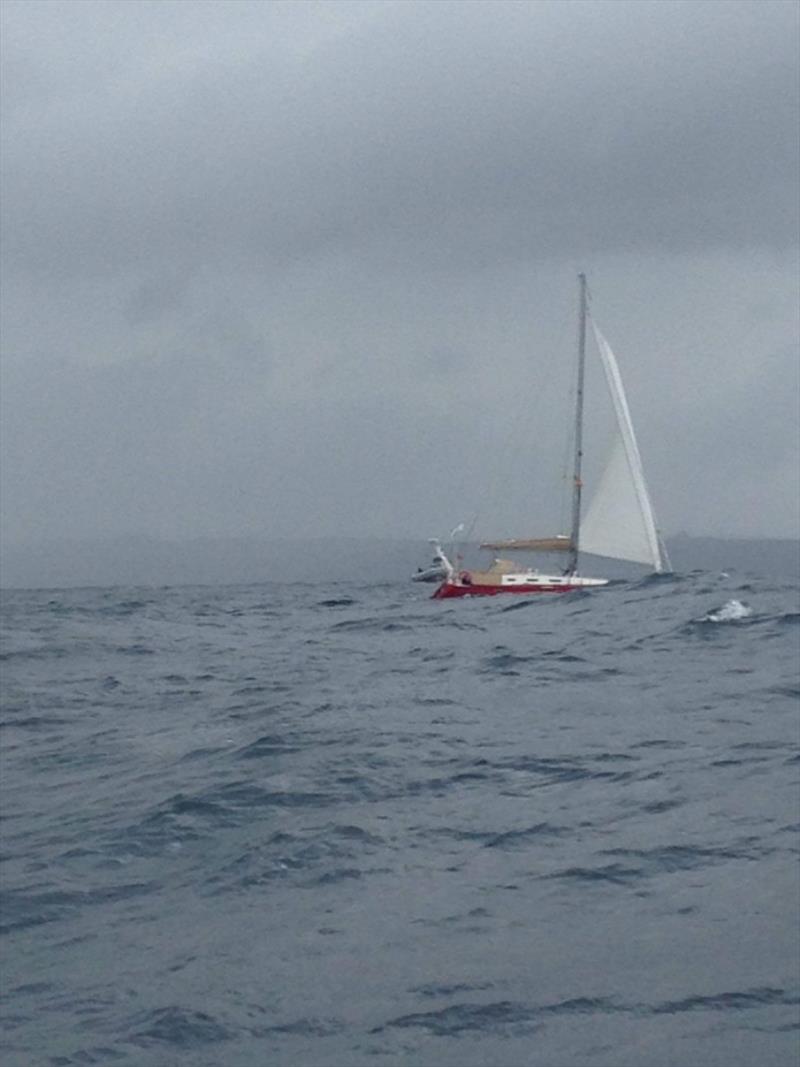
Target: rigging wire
[540, 381]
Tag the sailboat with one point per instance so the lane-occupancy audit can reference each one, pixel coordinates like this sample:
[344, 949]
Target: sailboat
[619, 522]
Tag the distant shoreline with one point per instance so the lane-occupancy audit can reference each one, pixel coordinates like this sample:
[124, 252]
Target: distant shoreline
[220, 561]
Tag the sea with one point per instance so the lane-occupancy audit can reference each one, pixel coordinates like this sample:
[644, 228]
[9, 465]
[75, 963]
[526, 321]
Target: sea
[340, 824]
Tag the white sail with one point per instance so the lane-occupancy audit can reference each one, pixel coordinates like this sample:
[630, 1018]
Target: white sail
[619, 522]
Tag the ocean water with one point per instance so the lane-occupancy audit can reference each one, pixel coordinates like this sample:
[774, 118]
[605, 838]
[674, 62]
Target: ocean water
[318, 825]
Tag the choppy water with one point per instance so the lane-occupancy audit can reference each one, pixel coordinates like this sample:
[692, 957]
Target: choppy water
[342, 825]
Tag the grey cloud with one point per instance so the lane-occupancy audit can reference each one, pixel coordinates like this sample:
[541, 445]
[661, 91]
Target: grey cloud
[490, 130]
[281, 266]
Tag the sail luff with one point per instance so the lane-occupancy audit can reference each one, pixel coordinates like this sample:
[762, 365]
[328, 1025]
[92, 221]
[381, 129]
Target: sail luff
[625, 423]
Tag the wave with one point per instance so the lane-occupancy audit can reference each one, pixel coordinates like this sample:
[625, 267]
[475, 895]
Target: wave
[501, 1015]
[731, 611]
[178, 1027]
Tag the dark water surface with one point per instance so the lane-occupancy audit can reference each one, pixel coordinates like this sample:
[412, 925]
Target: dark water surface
[341, 825]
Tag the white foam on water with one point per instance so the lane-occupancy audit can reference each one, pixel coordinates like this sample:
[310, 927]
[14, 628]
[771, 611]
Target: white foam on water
[731, 611]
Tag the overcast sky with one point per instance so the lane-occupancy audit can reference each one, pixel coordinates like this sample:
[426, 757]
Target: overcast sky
[310, 268]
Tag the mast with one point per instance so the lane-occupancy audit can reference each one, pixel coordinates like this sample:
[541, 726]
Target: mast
[577, 485]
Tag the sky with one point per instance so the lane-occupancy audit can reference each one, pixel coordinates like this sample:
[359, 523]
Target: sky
[309, 269]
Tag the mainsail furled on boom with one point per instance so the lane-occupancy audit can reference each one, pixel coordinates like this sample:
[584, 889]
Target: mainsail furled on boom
[537, 544]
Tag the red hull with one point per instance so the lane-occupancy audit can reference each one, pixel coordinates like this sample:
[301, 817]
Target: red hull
[449, 589]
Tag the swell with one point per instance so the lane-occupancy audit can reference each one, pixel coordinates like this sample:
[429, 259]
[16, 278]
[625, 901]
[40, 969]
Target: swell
[500, 1016]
